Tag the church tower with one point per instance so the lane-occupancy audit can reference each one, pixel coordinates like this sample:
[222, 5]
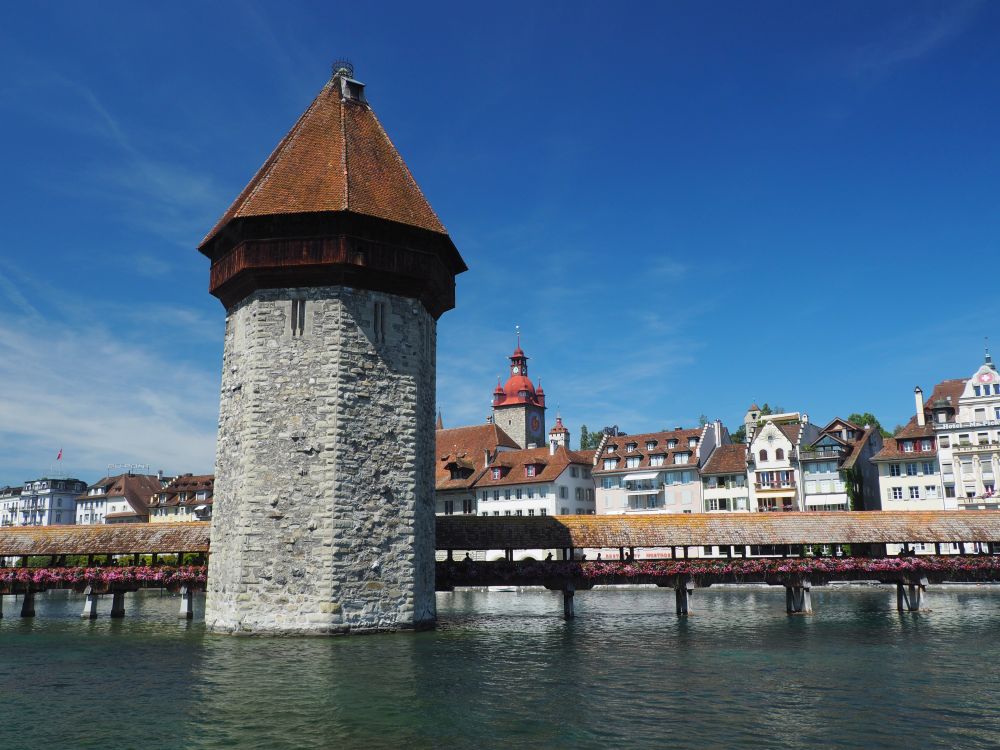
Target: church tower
[518, 408]
[333, 270]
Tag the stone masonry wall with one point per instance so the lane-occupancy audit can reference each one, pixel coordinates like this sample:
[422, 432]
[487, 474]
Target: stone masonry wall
[323, 519]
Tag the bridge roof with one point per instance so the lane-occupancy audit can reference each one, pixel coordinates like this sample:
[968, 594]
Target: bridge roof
[678, 530]
[104, 539]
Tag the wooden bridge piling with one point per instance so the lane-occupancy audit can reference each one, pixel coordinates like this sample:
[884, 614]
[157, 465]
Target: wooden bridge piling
[568, 597]
[798, 599]
[28, 604]
[89, 604]
[117, 605]
[187, 604]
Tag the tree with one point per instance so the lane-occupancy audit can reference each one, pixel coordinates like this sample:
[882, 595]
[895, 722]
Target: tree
[868, 418]
[702, 420]
[739, 435]
[589, 440]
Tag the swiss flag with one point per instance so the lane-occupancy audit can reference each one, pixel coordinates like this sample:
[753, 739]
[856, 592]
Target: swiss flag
[60, 455]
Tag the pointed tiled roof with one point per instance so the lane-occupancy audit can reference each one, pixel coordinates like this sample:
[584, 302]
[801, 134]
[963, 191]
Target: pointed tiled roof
[337, 157]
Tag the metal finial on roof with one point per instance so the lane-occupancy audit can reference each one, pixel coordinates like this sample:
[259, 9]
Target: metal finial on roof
[517, 332]
[342, 68]
[989, 359]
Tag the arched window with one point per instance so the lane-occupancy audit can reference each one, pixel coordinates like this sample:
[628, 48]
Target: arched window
[779, 455]
[763, 455]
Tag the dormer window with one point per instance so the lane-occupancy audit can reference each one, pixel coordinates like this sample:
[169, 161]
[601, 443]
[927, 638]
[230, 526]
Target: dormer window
[681, 458]
[650, 444]
[610, 464]
[671, 443]
[926, 445]
[612, 448]
[495, 473]
[631, 447]
[530, 470]
[907, 446]
[692, 442]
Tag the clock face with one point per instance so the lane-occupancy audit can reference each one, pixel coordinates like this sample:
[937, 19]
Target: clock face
[536, 424]
[986, 377]
[516, 370]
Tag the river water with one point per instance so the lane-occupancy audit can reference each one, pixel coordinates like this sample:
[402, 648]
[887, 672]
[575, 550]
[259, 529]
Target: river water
[504, 670]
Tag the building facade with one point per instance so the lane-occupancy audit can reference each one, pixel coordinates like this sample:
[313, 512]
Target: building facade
[969, 440]
[837, 468]
[654, 472]
[463, 456]
[41, 502]
[119, 499]
[724, 480]
[185, 498]
[774, 469]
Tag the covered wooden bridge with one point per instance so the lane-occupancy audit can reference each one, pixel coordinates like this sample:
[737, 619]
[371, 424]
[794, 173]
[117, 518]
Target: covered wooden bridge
[794, 543]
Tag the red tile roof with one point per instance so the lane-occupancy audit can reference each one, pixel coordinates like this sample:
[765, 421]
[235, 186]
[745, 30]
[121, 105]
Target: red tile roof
[466, 447]
[548, 467]
[137, 489]
[727, 459]
[662, 440]
[337, 157]
[188, 484]
[946, 392]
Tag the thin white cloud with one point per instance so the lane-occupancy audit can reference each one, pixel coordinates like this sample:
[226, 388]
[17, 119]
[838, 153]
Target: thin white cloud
[920, 32]
[70, 383]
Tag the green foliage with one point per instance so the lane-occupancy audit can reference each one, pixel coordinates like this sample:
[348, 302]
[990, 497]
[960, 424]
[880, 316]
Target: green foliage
[739, 435]
[868, 418]
[702, 420]
[589, 440]
[852, 485]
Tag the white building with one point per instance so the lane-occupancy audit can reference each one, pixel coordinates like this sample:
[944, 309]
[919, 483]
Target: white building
[463, 455]
[120, 499]
[10, 498]
[724, 480]
[969, 440]
[909, 465]
[654, 472]
[41, 502]
[773, 461]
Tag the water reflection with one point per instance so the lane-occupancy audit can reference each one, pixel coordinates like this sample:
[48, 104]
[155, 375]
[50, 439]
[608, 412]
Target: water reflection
[504, 669]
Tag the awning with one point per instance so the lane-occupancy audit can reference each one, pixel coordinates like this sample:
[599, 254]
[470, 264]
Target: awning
[641, 475]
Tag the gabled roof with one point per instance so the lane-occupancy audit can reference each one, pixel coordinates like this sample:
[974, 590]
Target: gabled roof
[727, 459]
[858, 447]
[662, 440]
[466, 446]
[548, 466]
[190, 485]
[892, 450]
[946, 393]
[791, 431]
[136, 489]
[337, 157]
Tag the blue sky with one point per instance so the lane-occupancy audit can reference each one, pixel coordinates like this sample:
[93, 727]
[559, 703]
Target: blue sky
[685, 206]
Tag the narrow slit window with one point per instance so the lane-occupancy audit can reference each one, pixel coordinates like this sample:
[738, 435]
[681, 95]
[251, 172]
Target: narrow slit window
[379, 320]
[297, 319]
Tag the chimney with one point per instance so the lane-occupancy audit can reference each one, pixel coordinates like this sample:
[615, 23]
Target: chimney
[918, 402]
[717, 427]
[486, 458]
[805, 419]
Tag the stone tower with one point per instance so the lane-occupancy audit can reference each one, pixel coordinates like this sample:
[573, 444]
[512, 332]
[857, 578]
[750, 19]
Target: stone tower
[518, 408]
[333, 270]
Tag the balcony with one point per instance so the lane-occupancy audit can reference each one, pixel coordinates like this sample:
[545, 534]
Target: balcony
[775, 485]
[823, 453]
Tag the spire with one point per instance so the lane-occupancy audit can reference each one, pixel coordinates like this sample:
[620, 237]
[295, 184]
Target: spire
[989, 359]
[440, 422]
